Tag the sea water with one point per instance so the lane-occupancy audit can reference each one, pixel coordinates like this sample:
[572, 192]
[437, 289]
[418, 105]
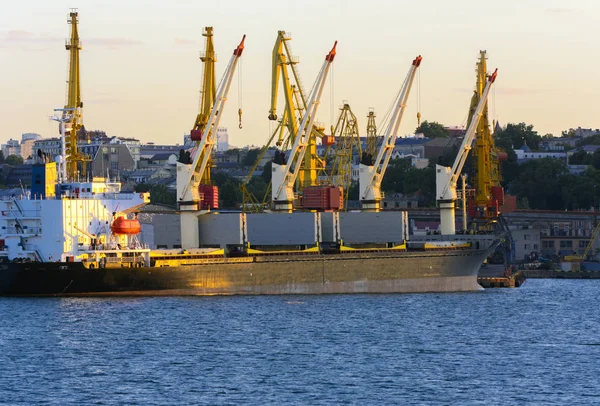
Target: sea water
[538, 344]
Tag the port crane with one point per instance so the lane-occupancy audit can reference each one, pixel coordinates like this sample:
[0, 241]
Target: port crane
[348, 141]
[72, 120]
[371, 175]
[283, 62]
[488, 191]
[285, 172]
[190, 175]
[446, 177]
[371, 146]
[207, 98]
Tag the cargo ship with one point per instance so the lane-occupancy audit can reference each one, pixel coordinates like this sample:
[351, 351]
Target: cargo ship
[73, 234]
[82, 238]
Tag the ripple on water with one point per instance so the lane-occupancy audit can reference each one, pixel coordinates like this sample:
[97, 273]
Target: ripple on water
[528, 345]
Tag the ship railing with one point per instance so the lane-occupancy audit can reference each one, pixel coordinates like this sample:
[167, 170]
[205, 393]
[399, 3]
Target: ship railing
[21, 230]
[20, 213]
[120, 260]
[85, 195]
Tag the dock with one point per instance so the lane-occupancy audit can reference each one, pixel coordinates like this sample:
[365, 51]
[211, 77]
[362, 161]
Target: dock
[558, 274]
[496, 277]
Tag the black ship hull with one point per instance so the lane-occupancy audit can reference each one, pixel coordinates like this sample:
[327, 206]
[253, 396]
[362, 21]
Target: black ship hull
[316, 274]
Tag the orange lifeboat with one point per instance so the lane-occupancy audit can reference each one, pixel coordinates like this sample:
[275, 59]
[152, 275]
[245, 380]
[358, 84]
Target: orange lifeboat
[122, 225]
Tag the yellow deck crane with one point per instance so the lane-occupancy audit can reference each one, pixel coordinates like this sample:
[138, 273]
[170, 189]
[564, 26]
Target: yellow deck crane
[588, 248]
[295, 108]
[347, 143]
[285, 73]
[286, 171]
[487, 166]
[207, 98]
[190, 175]
[371, 175]
[72, 114]
[446, 178]
[371, 146]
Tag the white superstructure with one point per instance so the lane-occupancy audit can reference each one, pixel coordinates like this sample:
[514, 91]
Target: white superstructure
[73, 225]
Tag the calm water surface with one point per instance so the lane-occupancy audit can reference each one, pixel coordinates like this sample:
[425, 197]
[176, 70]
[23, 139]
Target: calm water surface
[537, 344]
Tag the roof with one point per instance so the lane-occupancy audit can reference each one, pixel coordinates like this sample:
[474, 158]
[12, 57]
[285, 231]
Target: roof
[411, 141]
[163, 156]
[442, 142]
[591, 148]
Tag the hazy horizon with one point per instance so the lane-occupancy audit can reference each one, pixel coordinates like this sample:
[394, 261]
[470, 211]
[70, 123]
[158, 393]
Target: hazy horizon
[141, 74]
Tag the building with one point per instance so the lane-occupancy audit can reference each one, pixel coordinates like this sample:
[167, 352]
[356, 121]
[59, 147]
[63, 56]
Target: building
[438, 146]
[150, 149]
[12, 147]
[525, 154]
[456, 131]
[51, 147]
[410, 146]
[111, 159]
[27, 144]
[222, 139]
[585, 132]
[166, 158]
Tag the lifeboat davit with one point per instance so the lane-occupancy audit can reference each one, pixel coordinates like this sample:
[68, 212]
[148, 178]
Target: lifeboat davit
[122, 225]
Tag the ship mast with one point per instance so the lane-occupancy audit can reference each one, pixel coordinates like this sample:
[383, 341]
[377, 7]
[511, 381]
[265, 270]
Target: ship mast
[73, 113]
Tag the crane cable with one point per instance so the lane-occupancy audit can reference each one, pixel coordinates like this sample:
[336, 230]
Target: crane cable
[419, 99]
[240, 94]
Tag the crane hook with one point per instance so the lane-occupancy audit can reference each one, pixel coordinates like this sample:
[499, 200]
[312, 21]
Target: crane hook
[240, 114]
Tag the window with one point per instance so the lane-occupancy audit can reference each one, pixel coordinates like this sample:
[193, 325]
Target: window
[525, 236]
[527, 246]
[583, 244]
[535, 247]
[566, 244]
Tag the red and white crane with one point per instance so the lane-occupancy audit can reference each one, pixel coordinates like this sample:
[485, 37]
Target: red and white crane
[446, 178]
[370, 176]
[284, 175]
[189, 176]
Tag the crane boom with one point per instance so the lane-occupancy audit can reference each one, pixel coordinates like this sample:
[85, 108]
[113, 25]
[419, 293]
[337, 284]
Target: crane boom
[370, 176]
[446, 177]
[189, 176]
[285, 175]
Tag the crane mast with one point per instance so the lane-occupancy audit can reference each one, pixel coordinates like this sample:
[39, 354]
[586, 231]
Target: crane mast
[286, 173]
[446, 177]
[295, 107]
[348, 141]
[207, 97]
[487, 165]
[189, 176]
[73, 113]
[370, 176]
[371, 147]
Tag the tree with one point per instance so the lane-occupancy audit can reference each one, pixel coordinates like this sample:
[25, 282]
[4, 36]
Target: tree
[569, 134]
[267, 172]
[539, 181]
[394, 175]
[251, 157]
[515, 135]
[14, 160]
[432, 130]
[2, 159]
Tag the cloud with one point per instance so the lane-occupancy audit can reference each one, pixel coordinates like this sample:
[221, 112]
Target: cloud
[183, 41]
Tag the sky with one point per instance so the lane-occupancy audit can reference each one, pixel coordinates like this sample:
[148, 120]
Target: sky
[141, 73]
